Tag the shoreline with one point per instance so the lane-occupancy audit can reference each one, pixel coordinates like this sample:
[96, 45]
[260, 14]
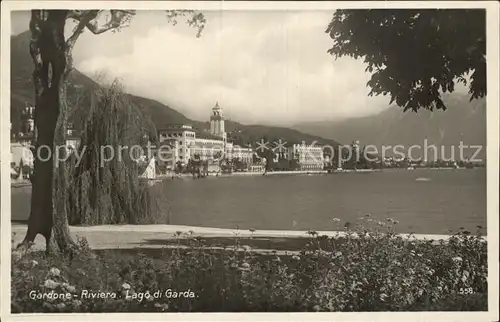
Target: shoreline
[20, 184]
[156, 237]
[162, 177]
[140, 236]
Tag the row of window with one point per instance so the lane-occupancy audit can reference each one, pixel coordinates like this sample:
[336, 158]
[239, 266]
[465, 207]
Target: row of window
[178, 135]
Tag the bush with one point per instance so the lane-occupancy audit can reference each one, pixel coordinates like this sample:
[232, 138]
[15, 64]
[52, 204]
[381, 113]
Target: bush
[365, 270]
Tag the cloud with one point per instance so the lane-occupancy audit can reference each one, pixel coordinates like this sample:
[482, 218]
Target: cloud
[262, 67]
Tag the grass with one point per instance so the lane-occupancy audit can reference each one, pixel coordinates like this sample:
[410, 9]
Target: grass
[380, 272]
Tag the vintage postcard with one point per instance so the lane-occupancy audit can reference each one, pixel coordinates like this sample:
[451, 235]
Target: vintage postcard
[249, 160]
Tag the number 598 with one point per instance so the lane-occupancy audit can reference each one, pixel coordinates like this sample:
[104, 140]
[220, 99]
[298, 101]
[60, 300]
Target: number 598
[466, 291]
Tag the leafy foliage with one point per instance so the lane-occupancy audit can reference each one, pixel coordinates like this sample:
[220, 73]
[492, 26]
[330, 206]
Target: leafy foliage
[196, 20]
[414, 55]
[49, 47]
[367, 269]
[105, 188]
[117, 19]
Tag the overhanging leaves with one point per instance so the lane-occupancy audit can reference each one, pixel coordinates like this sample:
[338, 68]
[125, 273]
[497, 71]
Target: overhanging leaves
[415, 55]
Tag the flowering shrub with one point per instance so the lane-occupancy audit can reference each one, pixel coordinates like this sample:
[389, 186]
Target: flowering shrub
[366, 269]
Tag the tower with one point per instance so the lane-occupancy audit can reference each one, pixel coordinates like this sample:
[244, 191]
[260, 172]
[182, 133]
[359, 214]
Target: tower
[28, 117]
[217, 122]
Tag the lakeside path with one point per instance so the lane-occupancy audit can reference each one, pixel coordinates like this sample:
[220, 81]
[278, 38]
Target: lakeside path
[161, 236]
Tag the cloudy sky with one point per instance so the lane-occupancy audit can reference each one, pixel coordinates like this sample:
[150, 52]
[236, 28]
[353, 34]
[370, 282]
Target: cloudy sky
[268, 67]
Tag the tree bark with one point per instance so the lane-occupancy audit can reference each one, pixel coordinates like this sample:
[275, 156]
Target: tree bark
[49, 187]
[60, 193]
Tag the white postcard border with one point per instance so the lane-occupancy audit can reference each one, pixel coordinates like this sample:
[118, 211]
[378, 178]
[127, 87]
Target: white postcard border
[492, 158]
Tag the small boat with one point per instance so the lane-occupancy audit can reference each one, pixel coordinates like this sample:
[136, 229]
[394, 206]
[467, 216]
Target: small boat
[411, 168]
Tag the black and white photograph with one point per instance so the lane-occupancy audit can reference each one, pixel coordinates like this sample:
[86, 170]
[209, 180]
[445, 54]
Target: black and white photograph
[236, 158]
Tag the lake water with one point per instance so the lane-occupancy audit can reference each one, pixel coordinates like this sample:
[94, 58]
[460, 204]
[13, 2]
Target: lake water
[423, 201]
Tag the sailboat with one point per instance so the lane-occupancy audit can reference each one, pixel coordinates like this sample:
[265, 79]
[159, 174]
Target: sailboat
[150, 172]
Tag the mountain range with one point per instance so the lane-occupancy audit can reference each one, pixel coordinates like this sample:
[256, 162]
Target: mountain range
[463, 121]
[158, 113]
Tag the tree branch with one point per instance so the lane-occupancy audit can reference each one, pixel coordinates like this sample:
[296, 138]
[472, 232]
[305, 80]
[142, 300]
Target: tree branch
[118, 17]
[87, 18]
[84, 18]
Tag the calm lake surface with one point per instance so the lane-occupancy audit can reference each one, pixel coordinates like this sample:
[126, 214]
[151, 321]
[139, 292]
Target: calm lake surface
[423, 201]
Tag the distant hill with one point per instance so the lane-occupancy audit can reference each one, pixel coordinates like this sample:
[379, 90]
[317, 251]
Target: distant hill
[252, 133]
[159, 113]
[463, 121]
[22, 90]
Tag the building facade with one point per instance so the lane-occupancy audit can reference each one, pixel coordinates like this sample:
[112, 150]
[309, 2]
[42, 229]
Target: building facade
[243, 154]
[22, 142]
[178, 137]
[21, 153]
[212, 146]
[310, 157]
[166, 154]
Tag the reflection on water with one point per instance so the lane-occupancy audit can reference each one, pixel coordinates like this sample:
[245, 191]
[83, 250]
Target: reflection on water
[452, 199]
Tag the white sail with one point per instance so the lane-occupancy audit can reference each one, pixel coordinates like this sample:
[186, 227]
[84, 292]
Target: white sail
[150, 171]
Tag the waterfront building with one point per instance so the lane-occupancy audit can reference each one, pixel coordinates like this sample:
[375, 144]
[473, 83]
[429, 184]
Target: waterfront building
[243, 154]
[21, 152]
[211, 146]
[28, 118]
[310, 157]
[228, 150]
[166, 154]
[182, 137]
[22, 142]
[209, 149]
[257, 168]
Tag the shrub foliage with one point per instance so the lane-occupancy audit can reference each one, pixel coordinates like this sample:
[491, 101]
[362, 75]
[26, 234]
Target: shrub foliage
[360, 271]
[105, 186]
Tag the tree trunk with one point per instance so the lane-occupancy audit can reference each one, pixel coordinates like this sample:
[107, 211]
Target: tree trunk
[60, 193]
[49, 187]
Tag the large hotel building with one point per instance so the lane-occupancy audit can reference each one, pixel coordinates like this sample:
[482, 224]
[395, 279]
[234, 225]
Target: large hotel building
[181, 143]
[184, 143]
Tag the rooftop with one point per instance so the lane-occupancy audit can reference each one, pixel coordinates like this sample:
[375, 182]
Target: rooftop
[176, 127]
